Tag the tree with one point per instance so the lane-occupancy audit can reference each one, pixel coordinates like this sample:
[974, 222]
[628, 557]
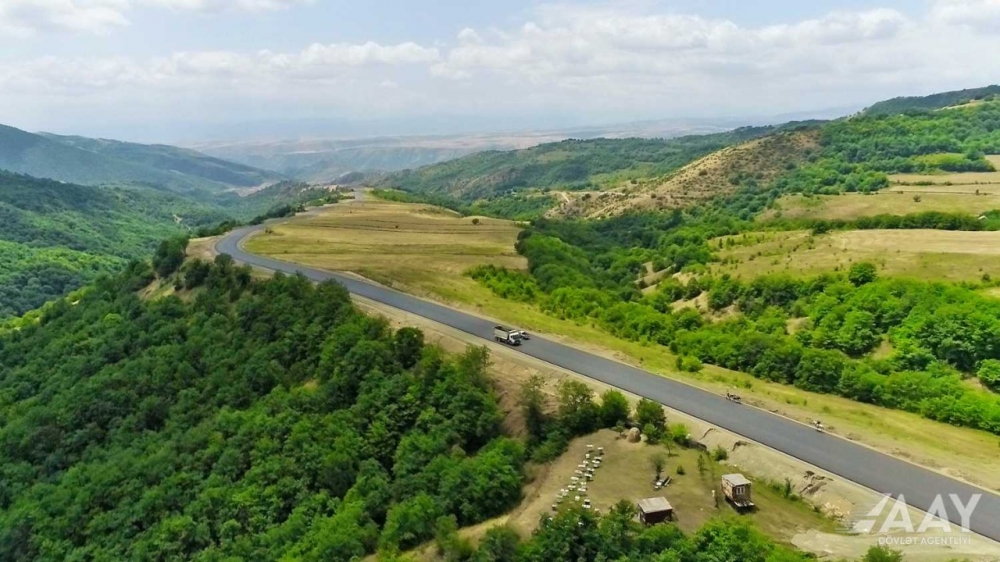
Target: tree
[690, 364]
[653, 435]
[577, 411]
[658, 461]
[407, 346]
[450, 546]
[862, 273]
[411, 522]
[498, 545]
[475, 221]
[989, 373]
[650, 413]
[615, 409]
[532, 403]
[820, 370]
[679, 433]
[169, 256]
[620, 429]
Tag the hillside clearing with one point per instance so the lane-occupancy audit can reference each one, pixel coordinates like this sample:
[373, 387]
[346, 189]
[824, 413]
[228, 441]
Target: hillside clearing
[424, 248]
[918, 254]
[626, 473]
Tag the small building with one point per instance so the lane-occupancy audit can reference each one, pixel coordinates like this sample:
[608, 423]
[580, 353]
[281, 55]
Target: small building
[655, 510]
[736, 488]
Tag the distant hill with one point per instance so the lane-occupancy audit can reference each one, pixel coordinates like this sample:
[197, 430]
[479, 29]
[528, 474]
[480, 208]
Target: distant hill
[935, 101]
[327, 160]
[571, 165]
[95, 162]
[55, 237]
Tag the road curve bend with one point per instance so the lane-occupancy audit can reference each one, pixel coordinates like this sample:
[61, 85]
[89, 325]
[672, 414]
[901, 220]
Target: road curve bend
[877, 471]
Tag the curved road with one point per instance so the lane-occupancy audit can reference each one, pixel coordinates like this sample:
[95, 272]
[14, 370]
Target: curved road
[853, 462]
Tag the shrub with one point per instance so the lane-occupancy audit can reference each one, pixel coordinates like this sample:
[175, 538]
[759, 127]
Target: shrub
[720, 453]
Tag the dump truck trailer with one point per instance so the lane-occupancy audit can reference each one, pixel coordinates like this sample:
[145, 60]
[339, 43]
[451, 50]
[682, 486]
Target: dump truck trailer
[506, 335]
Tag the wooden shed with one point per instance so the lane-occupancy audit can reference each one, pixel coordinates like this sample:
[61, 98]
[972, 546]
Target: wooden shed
[655, 510]
[736, 488]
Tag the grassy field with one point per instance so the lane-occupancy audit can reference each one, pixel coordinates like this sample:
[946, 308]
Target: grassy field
[957, 451]
[971, 179]
[949, 199]
[919, 254]
[971, 193]
[627, 473]
[420, 247]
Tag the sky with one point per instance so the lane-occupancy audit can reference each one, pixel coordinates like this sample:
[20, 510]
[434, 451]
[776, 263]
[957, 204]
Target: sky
[190, 70]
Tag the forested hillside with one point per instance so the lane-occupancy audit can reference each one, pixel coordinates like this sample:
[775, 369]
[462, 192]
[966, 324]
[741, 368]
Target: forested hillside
[95, 162]
[56, 237]
[571, 164]
[256, 421]
[175, 160]
[931, 102]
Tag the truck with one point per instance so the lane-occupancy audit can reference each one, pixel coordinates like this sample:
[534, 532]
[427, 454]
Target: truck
[506, 335]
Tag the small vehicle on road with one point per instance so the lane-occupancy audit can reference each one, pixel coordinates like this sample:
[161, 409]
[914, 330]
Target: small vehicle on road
[817, 425]
[524, 335]
[507, 335]
[733, 397]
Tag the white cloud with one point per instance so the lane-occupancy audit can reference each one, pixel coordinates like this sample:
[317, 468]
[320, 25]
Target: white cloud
[21, 18]
[979, 14]
[225, 5]
[25, 17]
[572, 41]
[615, 59]
[316, 62]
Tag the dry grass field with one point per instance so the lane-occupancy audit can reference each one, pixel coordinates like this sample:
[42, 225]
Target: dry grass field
[918, 254]
[417, 247]
[971, 193]
[971, 180]
[948, 199]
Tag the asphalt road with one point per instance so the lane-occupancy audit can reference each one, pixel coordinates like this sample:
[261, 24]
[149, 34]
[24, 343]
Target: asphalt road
[882, 473]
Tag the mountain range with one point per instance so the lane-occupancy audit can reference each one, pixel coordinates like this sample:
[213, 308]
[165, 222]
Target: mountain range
[101, 162]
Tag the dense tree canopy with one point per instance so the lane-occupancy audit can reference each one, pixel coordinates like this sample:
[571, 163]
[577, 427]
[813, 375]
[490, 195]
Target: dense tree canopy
[253, 421]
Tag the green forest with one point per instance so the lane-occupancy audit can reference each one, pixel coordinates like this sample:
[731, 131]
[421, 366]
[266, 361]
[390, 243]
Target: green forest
[932, 102]
[271, 420]
[56, 237]
[259, 421]
[107, 162]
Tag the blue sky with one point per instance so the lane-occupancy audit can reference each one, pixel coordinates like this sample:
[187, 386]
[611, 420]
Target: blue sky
[167, 70]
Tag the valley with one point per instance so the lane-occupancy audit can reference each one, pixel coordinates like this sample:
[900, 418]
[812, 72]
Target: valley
[368, 292]
[836, 277]
[301, 240]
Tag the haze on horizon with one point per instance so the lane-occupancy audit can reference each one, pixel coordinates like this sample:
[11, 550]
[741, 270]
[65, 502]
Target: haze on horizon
[189, 70]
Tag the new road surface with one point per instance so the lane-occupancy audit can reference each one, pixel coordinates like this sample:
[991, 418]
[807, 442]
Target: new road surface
[883, 473]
